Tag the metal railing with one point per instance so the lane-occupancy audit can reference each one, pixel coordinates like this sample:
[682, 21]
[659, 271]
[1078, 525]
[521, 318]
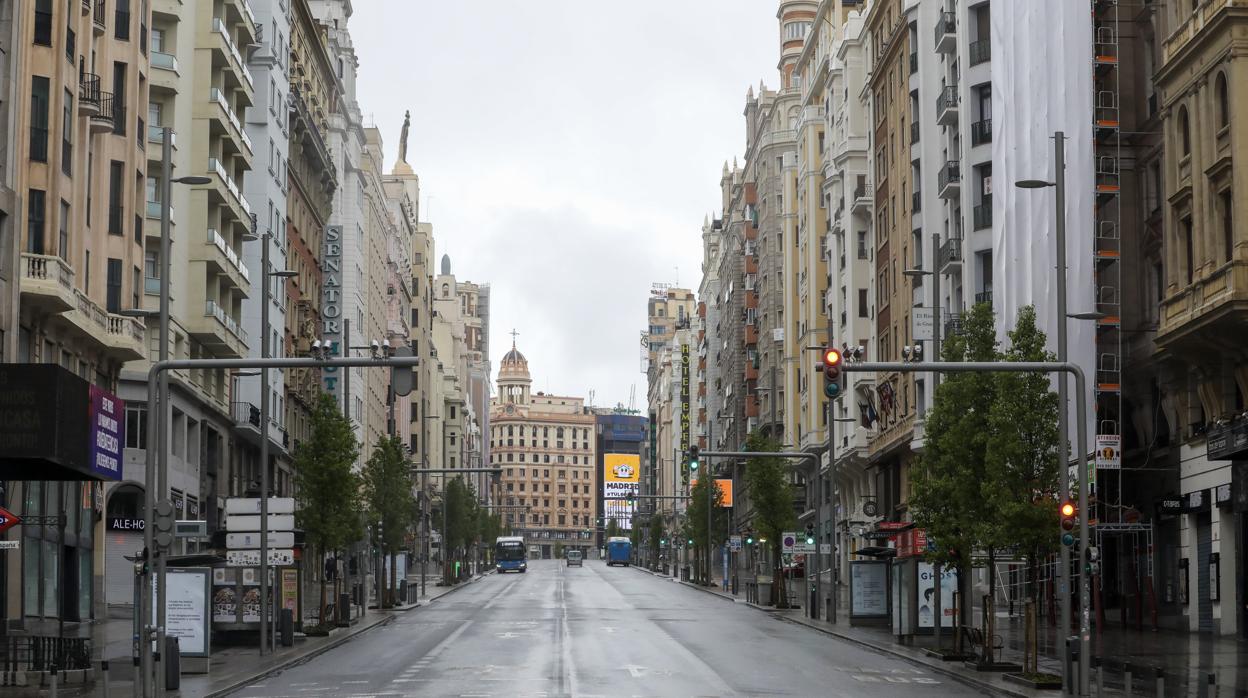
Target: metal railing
[245, 413]
[98, 15]
[39, 653]
[916, 202]
[946, 23]
[981, 132]
[983, 214]
[984, 297]
[914, 63]
[981, 51]
[914, 132]
[950, 253]
[89, 89]
[947, 99]
[950, 173]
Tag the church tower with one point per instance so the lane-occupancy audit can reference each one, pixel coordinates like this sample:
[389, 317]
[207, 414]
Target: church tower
[514, 381]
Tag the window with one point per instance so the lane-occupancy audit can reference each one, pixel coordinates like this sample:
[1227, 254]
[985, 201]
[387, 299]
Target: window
[136, 426]
[1186, 225]
[862, 302]
[113, 286]
[136, 286]
[67, 134]
[1228, 225]
[39, 119]
[35, 217]
[43, 22]
[119, 96]
[1224, 104]
[115, 209]
[62, 240]
[1185, 136]
[121, 28]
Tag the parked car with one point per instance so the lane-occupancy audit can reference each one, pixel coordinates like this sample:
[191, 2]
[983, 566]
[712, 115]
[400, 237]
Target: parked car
[574, 557]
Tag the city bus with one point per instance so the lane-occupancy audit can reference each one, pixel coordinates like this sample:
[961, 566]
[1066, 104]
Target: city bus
[619, 551]
[509, 554]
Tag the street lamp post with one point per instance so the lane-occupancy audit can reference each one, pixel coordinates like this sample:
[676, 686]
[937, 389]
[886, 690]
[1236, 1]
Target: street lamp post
[266, 274]
[156, 471]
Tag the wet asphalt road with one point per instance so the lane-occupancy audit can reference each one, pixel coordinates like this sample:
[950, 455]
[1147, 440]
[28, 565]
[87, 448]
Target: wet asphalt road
[596, 631]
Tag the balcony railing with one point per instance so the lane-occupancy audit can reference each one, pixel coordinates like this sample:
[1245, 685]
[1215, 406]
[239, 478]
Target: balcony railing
[127, 328]
[914, 63]
[98, 17]
[214, 310]
[151, 286]
[219, 27]
[946, 28]
[950, 176]
[164, 61]
[215, 167]
[981, 51]
[950, 254]
[983, 297]
[245, 413]
[217, 97]
[981, 132]
[215, 239]
[42, 267]
[156, 134]
[914, 132]
[916, 202]
[88, 92]
[947, 105]
[983, 214]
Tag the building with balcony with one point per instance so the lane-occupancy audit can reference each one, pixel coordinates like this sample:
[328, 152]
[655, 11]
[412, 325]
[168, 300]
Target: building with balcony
[1203, 294]
[74, 174]
[547, 448]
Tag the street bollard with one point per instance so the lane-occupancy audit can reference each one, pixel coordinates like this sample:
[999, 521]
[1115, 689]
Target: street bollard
[1100, 675]
[1213, 685]
[1071, 660]
[1160, 675]
[54, 682]
[104, 674]
[1127, 682]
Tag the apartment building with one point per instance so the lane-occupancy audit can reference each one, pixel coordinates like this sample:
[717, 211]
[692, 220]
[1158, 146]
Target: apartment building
[1203, 298]
[10, 242]
[546, 446]
[79, 79]
[312, 180]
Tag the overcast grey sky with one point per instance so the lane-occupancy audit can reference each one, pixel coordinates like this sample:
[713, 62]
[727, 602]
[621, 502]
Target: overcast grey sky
[567, 152]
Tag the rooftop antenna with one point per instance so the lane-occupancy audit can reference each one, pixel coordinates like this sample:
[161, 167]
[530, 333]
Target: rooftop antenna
[632, 397]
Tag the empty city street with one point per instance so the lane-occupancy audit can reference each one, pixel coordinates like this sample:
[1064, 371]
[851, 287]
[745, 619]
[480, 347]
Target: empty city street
[596, 631]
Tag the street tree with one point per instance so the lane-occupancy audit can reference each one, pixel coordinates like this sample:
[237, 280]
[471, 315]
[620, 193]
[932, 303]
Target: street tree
[613, 528]
[656, 536]
[946, 479]
[388, 496]
[328, 492]
[767, 481]
[1022, 463]
[704, 540]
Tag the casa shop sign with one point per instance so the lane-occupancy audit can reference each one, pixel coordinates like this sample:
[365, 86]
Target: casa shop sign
[331, 301]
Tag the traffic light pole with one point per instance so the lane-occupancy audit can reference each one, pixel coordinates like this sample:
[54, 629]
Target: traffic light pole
[1066, 368]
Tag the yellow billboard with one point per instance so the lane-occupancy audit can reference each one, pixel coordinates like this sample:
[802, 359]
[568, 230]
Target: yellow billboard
[621, 479]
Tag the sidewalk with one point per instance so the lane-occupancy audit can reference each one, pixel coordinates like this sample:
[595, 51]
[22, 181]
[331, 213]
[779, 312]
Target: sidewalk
[1186, 659]
[233, 667]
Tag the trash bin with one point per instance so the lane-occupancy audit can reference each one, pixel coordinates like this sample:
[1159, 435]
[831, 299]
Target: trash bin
[286, 626]
[173, 664]
[344, 610]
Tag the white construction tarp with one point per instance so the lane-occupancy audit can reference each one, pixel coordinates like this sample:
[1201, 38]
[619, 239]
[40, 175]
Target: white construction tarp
[1042, 83]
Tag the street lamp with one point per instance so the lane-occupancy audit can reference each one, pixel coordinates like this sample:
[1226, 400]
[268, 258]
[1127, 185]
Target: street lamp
[1063, 416]
[265, 275]
[157, 478]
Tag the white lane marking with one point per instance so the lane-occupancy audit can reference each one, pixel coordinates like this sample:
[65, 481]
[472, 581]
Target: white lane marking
[636, 671]
[347, 682]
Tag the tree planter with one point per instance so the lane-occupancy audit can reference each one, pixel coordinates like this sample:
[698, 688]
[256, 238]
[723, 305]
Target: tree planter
[1038, 681]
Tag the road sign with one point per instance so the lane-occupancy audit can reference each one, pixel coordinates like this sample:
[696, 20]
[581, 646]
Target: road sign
[9, 544]
[801, 546]
[825, 548]
[251, 505]
[923, 324]
[190, 529]
[251, 540]
[788, 541]
[734, 543]
[8, 519]
[277, 522]
[251, 558]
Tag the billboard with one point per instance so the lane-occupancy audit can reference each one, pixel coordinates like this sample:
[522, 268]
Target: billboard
[56, 426]
[621, 477]
[725, 485]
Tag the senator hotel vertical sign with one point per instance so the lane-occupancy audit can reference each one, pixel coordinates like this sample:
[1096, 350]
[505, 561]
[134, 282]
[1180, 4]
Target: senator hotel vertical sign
[684, 399]
[331, 302]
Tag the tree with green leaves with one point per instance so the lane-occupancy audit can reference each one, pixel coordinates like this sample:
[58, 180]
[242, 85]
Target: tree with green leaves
[705, 541]
[388, 496]
[328, 492]
[1022, 474]
[461, 523]
[656, 536]
[945, 493]
[613, 528]
[771, 496]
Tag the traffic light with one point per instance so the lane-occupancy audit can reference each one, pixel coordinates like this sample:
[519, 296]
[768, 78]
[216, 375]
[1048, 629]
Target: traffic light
[662, 541]
[689, 541]
[1070, 515]
[694, 451]
[810, 534]
[833, 376]
[1092, 560]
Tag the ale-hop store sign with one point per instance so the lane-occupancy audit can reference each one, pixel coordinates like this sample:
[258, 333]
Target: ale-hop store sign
[331, 301]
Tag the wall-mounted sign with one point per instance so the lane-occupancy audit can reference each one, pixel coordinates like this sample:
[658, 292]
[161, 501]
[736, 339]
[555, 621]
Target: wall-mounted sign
[1169, 506]
[332, 301]
[684, 398]
[922, 324]
[118, 523]
[1109, 451]
[1222, 496]
[106, 434]
[186, 609]
[1196, 502]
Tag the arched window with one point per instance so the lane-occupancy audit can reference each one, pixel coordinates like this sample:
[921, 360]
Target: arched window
[1224, 102]
[446, 290]
[1185, 133]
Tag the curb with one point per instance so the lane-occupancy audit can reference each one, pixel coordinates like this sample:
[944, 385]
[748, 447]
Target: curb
[938, 668]
[282, 666]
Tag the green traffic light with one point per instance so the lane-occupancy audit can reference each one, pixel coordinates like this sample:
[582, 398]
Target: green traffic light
[810, 541]
[690, 541]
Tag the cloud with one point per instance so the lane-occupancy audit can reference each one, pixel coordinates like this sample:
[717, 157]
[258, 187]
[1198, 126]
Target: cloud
[568, 152]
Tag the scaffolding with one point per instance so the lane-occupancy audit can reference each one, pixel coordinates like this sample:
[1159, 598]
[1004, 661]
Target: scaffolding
[1125, 541]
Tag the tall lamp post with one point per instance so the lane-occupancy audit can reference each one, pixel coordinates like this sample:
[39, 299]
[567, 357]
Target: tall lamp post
[266, 274]
[156, 471]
